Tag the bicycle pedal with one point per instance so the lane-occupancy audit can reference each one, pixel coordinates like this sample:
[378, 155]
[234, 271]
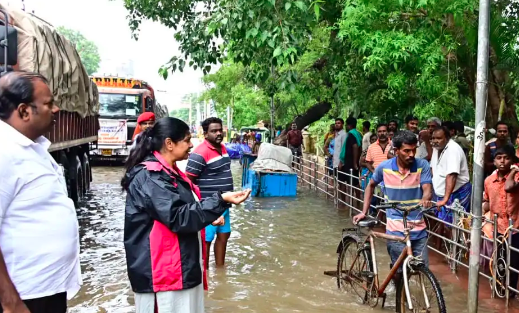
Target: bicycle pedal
[367, 274]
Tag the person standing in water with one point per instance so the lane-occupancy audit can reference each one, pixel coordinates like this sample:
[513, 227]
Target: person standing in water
[164, 222]
[209, 166]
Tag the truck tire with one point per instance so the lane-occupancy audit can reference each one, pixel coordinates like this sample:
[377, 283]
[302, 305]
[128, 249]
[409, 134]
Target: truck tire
[87, 172]
[76, 180]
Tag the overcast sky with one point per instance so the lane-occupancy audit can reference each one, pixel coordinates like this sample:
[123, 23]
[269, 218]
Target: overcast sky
[104, 22]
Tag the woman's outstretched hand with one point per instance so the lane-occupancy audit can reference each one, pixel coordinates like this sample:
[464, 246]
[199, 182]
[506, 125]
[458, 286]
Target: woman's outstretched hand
[236, 197]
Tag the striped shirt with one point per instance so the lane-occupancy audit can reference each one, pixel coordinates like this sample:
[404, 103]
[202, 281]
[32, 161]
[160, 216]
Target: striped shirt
[376, 154]
[406, 189]
[211, 168]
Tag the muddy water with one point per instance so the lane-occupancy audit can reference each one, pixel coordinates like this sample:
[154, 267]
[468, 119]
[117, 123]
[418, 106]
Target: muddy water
[277, 254]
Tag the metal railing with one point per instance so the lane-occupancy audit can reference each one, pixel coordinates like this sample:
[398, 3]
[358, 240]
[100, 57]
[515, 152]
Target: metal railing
[455, 250]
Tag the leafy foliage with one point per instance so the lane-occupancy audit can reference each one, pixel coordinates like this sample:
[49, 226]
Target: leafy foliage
[86, 49]
[182, 114]
[372, 59]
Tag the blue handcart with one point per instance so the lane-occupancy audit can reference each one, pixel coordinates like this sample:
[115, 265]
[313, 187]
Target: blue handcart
[267, 183]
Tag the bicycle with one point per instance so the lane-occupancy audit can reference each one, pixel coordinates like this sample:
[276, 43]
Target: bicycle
[362, 273]
[457, 248]
[499, 269]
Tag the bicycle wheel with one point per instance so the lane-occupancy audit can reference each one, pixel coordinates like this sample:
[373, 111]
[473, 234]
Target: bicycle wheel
[419, 277]
[498, 270]
[360, 276]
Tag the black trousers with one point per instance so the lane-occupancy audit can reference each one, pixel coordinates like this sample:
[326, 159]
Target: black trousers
[51, 304]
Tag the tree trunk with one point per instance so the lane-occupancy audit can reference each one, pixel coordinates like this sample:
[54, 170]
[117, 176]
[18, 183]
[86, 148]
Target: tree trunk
[499, 99]
[313, 114]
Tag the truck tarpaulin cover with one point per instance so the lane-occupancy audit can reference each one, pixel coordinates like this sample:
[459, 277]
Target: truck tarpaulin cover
[42, 50]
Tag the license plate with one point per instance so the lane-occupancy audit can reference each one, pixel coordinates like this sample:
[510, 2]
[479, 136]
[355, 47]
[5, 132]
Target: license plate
[106, 152]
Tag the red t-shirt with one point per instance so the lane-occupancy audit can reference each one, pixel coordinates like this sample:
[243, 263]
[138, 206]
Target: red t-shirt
[295, 137]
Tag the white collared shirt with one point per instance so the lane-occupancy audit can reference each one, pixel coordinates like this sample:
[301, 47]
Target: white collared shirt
[451, 160]
[39, 235]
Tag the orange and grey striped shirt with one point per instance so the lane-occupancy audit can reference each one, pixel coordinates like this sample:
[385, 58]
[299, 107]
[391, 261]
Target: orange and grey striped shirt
[376, 154]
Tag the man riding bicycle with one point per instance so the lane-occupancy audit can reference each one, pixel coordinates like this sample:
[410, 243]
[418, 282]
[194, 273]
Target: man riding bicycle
[408, 181]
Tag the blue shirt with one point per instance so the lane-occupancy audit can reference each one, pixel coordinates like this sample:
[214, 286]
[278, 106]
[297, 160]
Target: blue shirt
[406, 189]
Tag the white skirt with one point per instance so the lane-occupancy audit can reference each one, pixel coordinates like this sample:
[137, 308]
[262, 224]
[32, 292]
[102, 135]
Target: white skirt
[180, 301]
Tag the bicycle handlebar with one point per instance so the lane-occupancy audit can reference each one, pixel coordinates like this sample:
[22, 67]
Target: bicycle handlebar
[398, 206]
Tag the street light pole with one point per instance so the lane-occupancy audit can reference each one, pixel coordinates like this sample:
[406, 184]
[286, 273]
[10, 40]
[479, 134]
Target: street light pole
[479, 152]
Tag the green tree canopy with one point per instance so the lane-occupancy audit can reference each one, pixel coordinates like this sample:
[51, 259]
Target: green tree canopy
[182, 114]
[86, 49]
[368, 58]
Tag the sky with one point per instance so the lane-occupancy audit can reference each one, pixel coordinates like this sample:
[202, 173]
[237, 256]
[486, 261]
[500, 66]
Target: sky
[104, 22]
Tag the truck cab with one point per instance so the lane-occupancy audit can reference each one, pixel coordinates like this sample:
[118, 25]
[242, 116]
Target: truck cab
[121, 101]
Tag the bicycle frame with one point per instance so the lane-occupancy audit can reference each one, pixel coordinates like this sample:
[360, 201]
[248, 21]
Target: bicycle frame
[405, 257]
[407, 252]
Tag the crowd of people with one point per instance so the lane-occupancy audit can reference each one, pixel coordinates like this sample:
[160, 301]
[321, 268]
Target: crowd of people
[169, 221]
[423, 166]
[172, 217]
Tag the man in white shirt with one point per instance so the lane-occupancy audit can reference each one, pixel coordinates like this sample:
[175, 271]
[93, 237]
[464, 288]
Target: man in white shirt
[39, 239]
[451, 178]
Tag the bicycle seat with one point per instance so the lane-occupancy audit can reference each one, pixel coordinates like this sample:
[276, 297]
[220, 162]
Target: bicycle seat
[368, 222]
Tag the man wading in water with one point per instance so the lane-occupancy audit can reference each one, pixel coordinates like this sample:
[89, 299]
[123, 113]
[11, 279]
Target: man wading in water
[209, 167]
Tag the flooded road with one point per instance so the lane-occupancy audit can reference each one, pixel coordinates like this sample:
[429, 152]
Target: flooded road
[278, 251]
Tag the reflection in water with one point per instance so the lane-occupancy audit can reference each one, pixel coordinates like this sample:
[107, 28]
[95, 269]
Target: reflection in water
[276, 257]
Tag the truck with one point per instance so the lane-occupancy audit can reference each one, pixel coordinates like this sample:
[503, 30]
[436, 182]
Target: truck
[28, 43]
[121, 102]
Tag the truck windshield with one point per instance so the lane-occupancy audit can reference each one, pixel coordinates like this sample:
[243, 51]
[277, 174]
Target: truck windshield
[120, 105]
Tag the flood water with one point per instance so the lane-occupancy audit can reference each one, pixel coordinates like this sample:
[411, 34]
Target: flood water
[278, 251]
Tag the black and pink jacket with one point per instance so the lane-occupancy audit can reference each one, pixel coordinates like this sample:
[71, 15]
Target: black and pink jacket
[164, 228]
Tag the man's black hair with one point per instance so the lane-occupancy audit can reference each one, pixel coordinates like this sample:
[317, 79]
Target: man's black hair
[404, 137]
[366, 124]
[445, 131]
[209, 121]
[410, 117]
[16, 88]
[459, 126]
[339, 119]
[393, 121]
[351, 121]
[383, 125]
[508, 150]
[449, 125]
[502, 123]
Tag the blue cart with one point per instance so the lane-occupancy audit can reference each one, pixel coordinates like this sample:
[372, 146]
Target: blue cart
[267, 184]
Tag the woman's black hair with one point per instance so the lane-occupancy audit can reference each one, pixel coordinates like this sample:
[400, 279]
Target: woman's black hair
[152, 139]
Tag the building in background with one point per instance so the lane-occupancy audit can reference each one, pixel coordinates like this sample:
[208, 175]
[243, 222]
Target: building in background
[117, 68]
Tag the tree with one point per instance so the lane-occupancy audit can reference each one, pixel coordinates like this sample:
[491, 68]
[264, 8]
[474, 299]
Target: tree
[86, 49]
[368, 58]
[182, 114]
[228, 87]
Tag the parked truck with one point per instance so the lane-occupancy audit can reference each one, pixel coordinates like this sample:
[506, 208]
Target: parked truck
[33, 45]
[121, 101]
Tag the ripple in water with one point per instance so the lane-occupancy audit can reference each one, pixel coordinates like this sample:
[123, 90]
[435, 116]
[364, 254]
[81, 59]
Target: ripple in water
[278, 251]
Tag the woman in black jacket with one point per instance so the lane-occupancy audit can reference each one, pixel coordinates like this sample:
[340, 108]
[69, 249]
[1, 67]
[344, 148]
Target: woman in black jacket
[165, 221]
